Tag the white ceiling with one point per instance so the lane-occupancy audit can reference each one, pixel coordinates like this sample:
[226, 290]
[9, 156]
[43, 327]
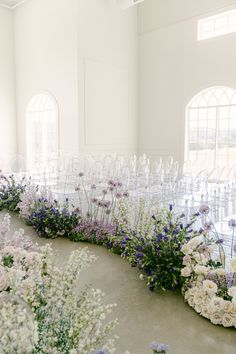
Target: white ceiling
[11, 4]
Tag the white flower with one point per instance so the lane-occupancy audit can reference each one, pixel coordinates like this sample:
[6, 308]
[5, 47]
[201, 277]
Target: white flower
[199, 297]
[220, 271]
[186, 260]
[199, 269]
[200, 258]
[232, 291]
[186, 249]
[227, 306]
[228, 320]
[194, 242]
[141, 276]
[210, 287]
[186, 272]
[216, 304]
[216, 318]
[233, 265]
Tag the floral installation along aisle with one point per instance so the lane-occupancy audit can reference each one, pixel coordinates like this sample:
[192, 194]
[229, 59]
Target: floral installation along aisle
[40, 309]
[171, 250]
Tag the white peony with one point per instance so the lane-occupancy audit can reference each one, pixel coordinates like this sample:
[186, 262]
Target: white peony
[186, 272]
[210, 287]
[232, 291]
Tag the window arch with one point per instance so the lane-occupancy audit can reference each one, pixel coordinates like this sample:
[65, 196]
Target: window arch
[211, 128]
[42, 130]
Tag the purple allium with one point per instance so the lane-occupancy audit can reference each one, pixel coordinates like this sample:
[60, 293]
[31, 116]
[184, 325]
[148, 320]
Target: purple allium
[118, 195]
[126, 194]
[110, 182]
[77, 189]
[232, 223]
[204, 209]
[94, 200]
[119, 184]
[111, 189]
[104, 191]
[93, 186]
[81, 174]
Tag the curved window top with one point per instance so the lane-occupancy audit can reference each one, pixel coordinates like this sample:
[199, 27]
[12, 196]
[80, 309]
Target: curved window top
[42, 102]
[214, 96]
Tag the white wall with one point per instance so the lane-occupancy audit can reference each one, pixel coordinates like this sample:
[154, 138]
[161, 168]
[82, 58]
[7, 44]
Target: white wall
[85, 53]
[108, 72]
[45, 42]
[174, 66]
[7, 90]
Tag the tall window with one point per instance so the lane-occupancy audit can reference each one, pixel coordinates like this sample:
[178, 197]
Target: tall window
[42, 130]
[211, 128]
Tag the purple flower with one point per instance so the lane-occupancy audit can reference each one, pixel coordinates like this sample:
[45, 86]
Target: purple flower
[94, 200]
[100, 351]
[232, 223]
[208, 226]
[118, 195]
[126, 194]
[104, 191]
[119, 184]
[159, 347]
[93, 186]
[204, 209]
[81, 174]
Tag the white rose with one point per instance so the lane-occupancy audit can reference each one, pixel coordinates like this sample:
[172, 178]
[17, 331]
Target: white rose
[199, 297]
[194, 242]
[216, 304]
[232, 291]
[186, 272]
[200, 258]
[210, 287]
[233, 265]
[228, 320]
[191, 302]
[227, 307]
[216, 318]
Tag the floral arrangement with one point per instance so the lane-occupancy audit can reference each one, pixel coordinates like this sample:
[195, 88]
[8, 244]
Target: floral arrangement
[209, 289]
[154, 246]
[10, 192]
[61, 319]
[46, 215]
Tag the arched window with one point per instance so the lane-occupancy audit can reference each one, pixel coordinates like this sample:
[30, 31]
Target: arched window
[211, 128]
[42, 130]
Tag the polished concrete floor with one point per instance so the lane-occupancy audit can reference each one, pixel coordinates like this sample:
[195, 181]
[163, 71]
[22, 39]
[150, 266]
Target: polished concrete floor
[144, 316]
